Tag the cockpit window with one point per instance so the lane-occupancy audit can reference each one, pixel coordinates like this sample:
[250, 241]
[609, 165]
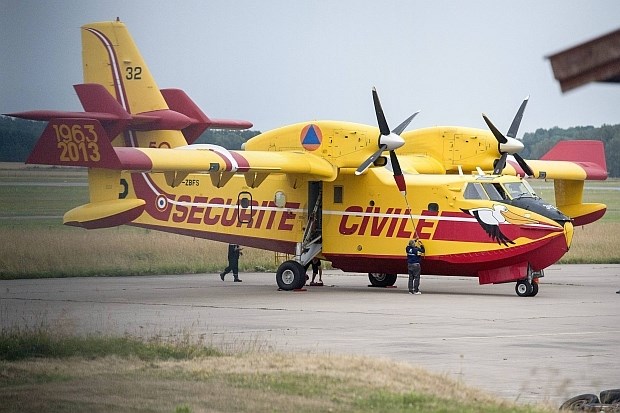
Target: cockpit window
[474, 190]
[495, 191]
[530, 189]
[520, 190]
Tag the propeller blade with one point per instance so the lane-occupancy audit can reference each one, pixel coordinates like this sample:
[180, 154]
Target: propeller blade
[383, 125]
[501, 164]
[498, 135]
[526, 168]
[400, 128]
[514, 127]
[366, 164]
[398, 173]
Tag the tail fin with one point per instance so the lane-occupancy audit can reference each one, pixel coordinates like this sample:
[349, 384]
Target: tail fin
[120, 93]
[110, 58]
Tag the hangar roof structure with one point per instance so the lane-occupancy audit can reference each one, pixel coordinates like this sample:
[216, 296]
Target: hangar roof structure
[597, 60]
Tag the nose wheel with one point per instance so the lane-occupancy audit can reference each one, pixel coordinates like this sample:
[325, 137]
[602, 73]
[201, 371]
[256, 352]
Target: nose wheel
[526, 288]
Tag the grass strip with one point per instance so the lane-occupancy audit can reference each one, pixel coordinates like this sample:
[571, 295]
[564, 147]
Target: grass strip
[21, 345]
[59, 373]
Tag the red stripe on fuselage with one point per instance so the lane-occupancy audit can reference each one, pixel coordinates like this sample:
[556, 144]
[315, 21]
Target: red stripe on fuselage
[242, 163]
[133, 159]
[540, 254]
[145, 188]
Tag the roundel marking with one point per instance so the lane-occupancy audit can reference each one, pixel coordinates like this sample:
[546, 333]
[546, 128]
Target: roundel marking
[161, 203]
[311, 137]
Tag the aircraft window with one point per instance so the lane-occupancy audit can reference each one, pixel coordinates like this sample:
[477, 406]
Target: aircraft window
[280, 199]
[244, 207]
[433, 207]
[244, 203]
[530, 189]
[494, 194]
[501, 191]
[519, 190]
[338, 194]
[474, 191]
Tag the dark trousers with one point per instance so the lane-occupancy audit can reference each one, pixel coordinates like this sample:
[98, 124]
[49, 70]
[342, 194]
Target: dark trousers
[414, 277]
[233, 265]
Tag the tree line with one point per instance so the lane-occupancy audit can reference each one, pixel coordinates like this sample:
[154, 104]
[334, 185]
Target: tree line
[18, 136]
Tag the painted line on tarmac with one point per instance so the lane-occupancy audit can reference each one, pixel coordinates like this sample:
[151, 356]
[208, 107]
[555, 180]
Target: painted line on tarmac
[581, 333]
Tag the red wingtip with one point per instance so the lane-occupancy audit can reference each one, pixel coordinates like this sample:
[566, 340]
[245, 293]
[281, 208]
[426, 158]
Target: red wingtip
[589, 154]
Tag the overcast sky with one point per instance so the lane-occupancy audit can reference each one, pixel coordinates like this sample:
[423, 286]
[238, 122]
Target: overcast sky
[276, 62]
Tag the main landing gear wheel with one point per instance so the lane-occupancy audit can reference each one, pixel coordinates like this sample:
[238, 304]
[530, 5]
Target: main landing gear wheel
[291, 275]
[378, 279]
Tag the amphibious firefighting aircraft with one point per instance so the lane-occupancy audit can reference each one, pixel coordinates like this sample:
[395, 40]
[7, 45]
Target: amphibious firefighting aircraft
[319, 188]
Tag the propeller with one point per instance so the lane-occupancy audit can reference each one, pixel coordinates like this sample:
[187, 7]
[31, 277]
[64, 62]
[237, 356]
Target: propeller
[510, 144]
[388, 141]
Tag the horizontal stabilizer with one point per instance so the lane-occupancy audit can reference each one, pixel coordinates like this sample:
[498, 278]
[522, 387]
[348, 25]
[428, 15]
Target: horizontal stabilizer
[95, 98]
[177, 100]
[183, 114]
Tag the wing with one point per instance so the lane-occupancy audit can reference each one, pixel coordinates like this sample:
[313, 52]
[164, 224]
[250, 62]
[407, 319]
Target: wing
[87, 145]
[574, 160]
[420, 164]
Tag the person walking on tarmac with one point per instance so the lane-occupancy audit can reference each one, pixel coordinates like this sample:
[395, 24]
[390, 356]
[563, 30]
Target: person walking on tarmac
[234, 251]
[415, 251]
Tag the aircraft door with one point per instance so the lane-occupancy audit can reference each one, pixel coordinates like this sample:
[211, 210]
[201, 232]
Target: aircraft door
[312, 241]
[315, 210]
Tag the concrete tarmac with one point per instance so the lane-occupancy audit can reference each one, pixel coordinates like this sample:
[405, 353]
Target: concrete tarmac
[548, 348]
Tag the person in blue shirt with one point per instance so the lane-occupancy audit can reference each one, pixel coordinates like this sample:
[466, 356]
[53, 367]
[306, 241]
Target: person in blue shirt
[415, 251]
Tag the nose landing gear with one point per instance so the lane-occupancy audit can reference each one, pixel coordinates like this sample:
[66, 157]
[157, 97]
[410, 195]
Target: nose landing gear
[525, 288]
[529, 286]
